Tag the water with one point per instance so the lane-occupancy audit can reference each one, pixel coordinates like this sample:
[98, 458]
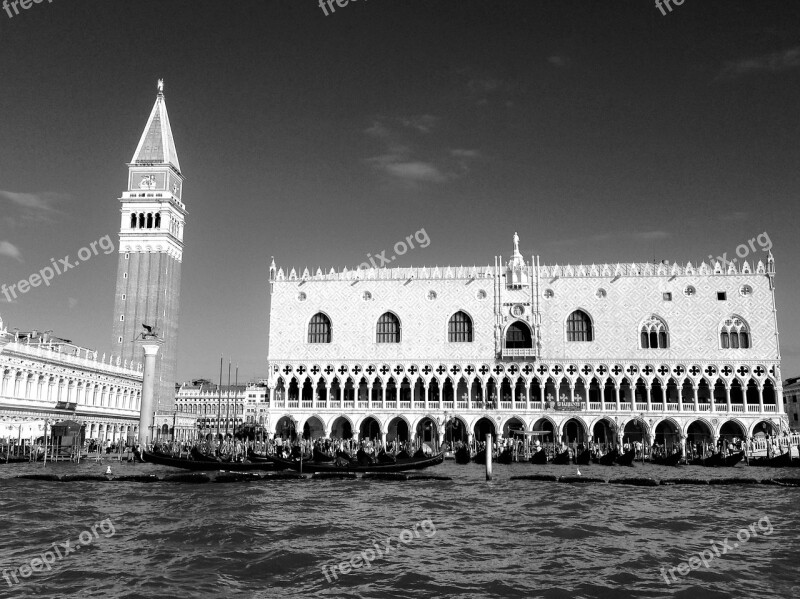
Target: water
[473, 539]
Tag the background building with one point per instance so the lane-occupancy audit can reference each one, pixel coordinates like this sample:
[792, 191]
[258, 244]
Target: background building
[595, 351]
[240, 404]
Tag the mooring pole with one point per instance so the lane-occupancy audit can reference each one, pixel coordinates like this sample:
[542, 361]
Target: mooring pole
[489, 456]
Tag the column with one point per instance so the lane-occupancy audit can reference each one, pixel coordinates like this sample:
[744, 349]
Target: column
[383, 398]
[649, 399]
[779, 398]
[696, 400]
[616, 394]
[728, 398]
[527, 396]
[514, 398]
[148, 381]
[760, 399]
[427, 396]
[485, 400]
[572, 393]
[602, 387]
[469, 395]
[541, 394]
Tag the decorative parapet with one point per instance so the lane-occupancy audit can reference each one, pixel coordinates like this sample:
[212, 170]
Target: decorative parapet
[621, 269]
[78, 357]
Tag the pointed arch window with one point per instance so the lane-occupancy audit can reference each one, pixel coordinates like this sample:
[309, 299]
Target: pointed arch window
[734, 334]
[388, 330]
[319, 329]
[459, 328]
[518, 336]
[654, 334]
[579, 327]
[133, 220]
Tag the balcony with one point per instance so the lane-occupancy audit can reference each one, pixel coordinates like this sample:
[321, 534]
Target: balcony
[519, 405]
[517, 353]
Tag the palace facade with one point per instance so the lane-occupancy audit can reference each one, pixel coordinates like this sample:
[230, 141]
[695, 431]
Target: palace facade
[602, 352]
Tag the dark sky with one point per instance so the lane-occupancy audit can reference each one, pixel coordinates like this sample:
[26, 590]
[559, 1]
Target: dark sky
[601, 131]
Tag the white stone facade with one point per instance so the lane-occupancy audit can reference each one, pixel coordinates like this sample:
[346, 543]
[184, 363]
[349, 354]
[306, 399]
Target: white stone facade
[670, 348]
[66, 382]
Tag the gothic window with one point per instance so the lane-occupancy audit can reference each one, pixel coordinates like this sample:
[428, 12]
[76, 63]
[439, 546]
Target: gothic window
[579, 327]
[388, 330]
[158, 220]
[141, 220]
[150, 220]
[734, 334]
[133, 221]
[654, 334]
[459, 329]
[518, 336]
[319, 329]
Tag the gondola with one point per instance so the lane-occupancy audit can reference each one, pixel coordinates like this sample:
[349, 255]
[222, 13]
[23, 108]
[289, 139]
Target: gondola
[609, 458]
[627, 458]
[414, 463]
[733, 458]
[365, 459]
[672, 459]
[480, 457]
[258, 457]
[386, 458]
[463, 455]
[319, 456]
[583, 458]
[778, 461]
[561, 457]
[540, 457]
[192, 464]
[506, 456]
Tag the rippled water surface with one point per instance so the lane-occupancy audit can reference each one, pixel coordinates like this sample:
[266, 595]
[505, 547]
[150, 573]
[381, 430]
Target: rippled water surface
[473, 539]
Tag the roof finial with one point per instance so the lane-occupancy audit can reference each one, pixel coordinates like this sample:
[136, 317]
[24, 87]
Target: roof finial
[160, 87]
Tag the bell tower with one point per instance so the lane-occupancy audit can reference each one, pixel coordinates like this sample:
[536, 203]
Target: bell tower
[146, 304]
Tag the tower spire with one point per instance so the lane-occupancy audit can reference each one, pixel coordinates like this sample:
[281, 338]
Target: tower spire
[157, 146]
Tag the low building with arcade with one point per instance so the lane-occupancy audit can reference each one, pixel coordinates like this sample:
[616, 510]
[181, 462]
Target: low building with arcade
[605, 352]
[46, 378]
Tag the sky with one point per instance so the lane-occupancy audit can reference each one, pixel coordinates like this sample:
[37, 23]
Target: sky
[600, 131]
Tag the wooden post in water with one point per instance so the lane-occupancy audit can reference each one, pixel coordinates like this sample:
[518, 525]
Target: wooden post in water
[489, 456]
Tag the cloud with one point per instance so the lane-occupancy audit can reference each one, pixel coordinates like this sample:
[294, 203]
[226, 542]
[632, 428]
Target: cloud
[558, 61]
[734, 216]
[9, 249]
[31, 201]
[400, 165]
[412, 152]
[423, 123]
[30, 207]
[652, 235]
[771, 63]
[458, 153]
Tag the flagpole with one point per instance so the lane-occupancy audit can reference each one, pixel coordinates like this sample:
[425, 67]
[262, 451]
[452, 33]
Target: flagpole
[236, 387]
[219, 405]
[228, 400]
